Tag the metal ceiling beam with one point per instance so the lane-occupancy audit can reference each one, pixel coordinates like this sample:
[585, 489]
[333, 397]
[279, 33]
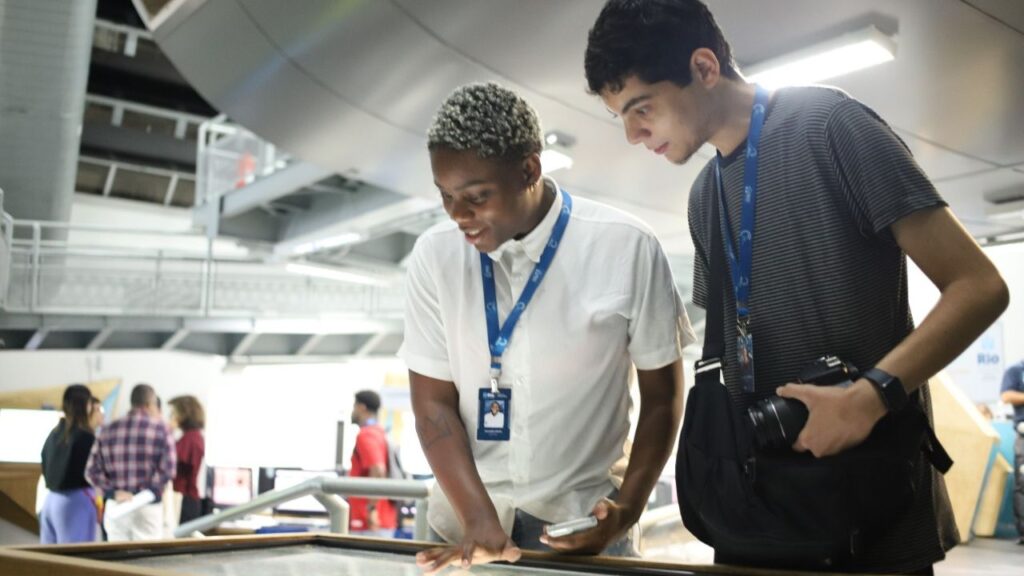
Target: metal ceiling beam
[269, 188]
[310, 344]
[339, 324]
[99, 338]
[36, 340]
[370, 345]
[175, 339]
[242, 347]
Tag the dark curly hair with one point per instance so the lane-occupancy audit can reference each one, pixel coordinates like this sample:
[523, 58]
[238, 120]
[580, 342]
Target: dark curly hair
[488, 118]
[652, 39]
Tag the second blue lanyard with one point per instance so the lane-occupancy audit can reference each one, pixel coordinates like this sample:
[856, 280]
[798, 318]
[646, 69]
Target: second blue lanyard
[498, 337]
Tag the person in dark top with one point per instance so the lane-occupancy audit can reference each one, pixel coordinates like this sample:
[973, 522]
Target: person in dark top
[1012, 392]
[188, 415]
[822, 225]
[69, 512]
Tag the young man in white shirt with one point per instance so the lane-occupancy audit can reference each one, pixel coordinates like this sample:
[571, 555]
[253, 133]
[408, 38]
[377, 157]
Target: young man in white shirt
[590, 295]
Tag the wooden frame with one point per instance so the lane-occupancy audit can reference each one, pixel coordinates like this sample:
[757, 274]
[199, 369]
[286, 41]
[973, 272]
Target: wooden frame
[94, 559]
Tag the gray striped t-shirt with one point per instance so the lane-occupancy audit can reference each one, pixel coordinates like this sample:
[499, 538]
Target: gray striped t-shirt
[827, 275]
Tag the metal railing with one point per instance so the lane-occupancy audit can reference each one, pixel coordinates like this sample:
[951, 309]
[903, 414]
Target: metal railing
[61, 268]
[6, 242]
[326, 490]
[229, 157]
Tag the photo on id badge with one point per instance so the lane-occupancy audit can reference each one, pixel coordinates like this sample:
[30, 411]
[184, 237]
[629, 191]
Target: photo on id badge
[493, 422]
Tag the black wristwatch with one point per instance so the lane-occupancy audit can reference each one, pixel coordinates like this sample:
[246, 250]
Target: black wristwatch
[889, 387]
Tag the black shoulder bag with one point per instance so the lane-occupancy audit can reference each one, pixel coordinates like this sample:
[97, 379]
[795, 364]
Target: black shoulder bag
[786, 509]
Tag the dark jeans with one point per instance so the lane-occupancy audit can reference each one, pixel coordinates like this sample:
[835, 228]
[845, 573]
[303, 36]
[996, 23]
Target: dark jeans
[527, 529]
[191, 508]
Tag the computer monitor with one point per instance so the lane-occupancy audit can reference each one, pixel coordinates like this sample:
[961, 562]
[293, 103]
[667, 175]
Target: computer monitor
[230, 486]
[288, 477]
[24, 432]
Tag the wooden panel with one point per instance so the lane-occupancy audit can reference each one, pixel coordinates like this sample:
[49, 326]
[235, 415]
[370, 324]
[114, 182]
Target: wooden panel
[969, 438]
[61, 559]
[36, 398]
[18, 484]
[24, 563]
[992, 497]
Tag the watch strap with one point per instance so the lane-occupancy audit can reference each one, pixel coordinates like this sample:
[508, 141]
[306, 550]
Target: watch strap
[889, 387]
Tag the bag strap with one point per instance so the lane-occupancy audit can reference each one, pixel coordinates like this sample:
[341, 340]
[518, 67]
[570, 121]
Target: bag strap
[934, 449]
[710, 364]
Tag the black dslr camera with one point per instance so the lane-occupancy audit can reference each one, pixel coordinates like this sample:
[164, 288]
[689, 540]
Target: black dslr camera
[778, 421]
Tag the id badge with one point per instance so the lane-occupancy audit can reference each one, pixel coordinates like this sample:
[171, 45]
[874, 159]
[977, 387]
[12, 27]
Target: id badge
[494, 414]
[745, 356]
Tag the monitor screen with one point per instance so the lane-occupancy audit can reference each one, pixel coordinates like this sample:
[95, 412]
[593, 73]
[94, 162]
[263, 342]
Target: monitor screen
[231, 486]
[286, 478]
[24, 432]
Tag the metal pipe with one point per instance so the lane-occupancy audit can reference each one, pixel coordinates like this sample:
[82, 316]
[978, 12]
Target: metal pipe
[36, 237]
[422, 530]
[338, 510]
[104, 229]
[365, 487]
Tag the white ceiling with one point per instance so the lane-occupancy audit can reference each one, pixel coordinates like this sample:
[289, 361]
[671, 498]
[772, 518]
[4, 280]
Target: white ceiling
[352, 85]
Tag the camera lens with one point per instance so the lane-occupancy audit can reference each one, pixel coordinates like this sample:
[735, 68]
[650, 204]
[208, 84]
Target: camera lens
[777, 421]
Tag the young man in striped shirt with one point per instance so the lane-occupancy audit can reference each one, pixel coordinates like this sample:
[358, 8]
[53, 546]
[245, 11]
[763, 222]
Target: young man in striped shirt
[131, 455]
[840, 203]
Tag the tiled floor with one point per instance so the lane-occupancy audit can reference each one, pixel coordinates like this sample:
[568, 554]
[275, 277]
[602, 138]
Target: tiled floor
[984, 557]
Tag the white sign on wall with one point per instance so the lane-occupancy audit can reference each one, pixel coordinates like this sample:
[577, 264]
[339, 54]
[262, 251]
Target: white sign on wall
[979, 370]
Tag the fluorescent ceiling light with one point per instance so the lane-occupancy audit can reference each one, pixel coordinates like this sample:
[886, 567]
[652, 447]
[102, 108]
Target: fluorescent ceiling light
[329, 242]
[551, 160]
[333, 273]
[1006, 211]
[842, 55]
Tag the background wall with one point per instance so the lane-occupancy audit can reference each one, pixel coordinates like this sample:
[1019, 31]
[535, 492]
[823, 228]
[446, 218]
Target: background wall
[283, 416]
[979, 370]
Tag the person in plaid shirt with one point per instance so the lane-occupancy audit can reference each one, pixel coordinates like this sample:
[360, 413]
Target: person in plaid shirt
[131, 455]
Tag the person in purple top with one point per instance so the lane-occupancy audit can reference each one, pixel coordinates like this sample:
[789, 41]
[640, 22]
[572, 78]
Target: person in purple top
[131, 455]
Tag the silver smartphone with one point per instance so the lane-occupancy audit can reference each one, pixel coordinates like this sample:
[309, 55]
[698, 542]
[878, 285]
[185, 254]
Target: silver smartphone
[571, 526]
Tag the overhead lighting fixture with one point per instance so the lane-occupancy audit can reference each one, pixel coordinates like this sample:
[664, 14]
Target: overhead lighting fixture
[329, 242]
[557, 137]
[332, 273]
[551, 160]
[847, 53]
[555, 156]
[1006, 211]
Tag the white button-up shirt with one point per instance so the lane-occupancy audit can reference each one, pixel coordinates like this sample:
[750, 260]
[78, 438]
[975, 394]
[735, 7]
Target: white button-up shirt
[607, 302]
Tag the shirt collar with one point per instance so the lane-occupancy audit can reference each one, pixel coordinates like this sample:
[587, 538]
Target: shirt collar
[533, 244]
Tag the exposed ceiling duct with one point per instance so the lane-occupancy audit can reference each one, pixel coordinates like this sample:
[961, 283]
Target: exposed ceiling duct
[351, 85]
[45, 46]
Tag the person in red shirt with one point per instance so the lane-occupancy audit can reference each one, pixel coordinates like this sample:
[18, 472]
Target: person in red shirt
[188, 415]
[370, 460]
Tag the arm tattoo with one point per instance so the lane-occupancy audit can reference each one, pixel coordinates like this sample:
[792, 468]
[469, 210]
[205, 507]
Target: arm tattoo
[433, 429]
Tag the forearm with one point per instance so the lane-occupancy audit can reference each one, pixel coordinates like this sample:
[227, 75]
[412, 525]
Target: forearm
[965, 309]
[446, 445]
[661, 408]
[1012, 397]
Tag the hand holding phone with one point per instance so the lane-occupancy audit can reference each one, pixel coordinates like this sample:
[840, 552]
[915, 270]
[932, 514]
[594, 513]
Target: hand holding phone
[571, 526]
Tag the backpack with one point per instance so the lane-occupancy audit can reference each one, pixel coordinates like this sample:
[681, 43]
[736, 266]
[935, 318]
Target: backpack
[395, 469]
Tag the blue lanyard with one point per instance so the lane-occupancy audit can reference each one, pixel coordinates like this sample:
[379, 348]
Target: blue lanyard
[741, 267]
[499, 338]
